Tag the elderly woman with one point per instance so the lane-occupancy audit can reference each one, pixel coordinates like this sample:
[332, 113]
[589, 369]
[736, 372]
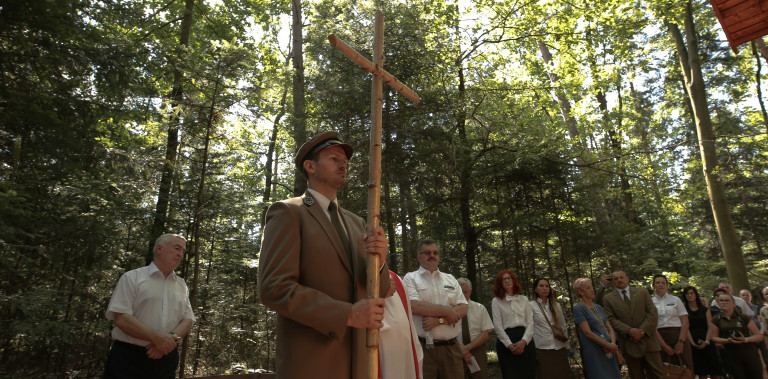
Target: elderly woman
[549, 333]
[598, 341]
[513, 323]
[739, 335]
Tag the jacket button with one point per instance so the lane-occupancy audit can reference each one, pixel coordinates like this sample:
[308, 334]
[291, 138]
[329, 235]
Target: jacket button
[332, 334]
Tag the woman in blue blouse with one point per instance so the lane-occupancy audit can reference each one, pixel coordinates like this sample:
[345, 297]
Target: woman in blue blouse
[598, 341]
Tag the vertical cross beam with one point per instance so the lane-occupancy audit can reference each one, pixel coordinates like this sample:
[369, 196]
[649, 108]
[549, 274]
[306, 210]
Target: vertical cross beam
[374, 164]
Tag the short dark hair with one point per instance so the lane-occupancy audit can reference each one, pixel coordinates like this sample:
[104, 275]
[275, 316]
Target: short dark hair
[423, 242]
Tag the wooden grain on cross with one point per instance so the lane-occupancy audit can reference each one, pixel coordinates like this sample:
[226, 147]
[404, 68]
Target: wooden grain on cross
[374, 164]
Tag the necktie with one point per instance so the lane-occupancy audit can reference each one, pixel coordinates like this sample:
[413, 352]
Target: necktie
[336, 221]
[626, 296]
[465, 330]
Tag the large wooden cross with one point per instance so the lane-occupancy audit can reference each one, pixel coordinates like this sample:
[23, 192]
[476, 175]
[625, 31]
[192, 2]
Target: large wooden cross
[374, 163]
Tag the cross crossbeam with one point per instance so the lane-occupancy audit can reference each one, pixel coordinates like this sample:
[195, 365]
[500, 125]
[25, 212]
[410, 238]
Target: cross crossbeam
[374, 165]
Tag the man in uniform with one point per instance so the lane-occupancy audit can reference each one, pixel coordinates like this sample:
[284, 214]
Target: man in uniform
[438, 306]
[312, 271]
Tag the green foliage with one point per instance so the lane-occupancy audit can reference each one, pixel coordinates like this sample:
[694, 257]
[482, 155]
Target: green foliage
[487, 164]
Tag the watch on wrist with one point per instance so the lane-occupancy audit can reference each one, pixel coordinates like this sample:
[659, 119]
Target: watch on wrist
[440, 320]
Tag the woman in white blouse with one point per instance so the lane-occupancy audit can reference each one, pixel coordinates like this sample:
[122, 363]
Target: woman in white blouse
[549, 333]
[513, 323]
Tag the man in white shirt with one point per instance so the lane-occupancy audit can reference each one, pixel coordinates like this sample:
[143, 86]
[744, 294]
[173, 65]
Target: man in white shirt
[672, 328]
[477, 324]
[152, 313]
[438, 306]
[743, 306]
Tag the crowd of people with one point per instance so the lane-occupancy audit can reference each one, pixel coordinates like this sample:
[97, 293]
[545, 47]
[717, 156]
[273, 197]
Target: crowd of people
[312, 273]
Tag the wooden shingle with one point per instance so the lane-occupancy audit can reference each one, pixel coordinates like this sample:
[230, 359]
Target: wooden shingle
[742, 20]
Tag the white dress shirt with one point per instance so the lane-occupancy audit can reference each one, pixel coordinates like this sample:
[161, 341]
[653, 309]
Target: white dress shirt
[670, 309]
[512, 312]
[478, 320]
[324, 202]
[435, 288]
[158, 302]
[542, 332]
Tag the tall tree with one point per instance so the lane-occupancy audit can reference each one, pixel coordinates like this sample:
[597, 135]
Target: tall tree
[175, 98]
[688, 54]
[299, 118]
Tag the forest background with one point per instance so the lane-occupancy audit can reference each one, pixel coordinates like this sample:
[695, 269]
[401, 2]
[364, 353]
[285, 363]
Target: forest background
[554, 138]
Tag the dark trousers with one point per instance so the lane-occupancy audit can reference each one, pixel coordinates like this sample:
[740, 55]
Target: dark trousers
[482, 360]
[743, 361]
[127, 361]
[670, 336]
[521, 366]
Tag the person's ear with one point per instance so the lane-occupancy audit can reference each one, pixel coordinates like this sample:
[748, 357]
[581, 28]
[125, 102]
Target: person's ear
[309, 166]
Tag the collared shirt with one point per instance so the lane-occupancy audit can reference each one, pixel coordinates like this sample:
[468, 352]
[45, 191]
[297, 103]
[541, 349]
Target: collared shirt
[542, 331]
[511, 312]
[745, 309]
[478, 319]
[158, 302]
[670, 309]
[435, 288]
[621, 295]
[324, 202]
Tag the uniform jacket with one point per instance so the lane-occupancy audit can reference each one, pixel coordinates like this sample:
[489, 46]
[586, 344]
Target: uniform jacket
[307, 278]
[640, 314]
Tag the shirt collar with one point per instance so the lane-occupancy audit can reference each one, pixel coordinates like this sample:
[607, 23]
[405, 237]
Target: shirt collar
[323, 201]
[625, 289]
[153, 269]
[422, 270]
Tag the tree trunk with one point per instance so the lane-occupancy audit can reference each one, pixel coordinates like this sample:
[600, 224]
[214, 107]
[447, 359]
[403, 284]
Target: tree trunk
[758, 82]
[172, 143]
[198, 218]
[596, 197]
[299, 119]
[270, 157]
[688, 52]
[465, 161]
[386, 184]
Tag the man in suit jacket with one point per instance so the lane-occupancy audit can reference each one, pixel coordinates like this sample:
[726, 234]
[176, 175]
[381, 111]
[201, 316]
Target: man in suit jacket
[634, 318]
[312, 271]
